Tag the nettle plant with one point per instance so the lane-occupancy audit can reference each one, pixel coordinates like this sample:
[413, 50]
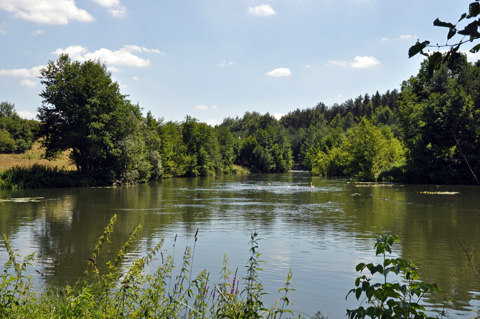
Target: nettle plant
[390, 299]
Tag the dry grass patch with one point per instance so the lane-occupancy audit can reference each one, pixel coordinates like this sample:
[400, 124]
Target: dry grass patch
[34, 156]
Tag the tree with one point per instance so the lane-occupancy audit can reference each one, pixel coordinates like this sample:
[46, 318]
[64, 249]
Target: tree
[438, 115]
[83, 111]
[172, 150]
[7, 109]
[365, 150]
[16, 134]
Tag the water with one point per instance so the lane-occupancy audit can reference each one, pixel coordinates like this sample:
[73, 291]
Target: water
[321, 233]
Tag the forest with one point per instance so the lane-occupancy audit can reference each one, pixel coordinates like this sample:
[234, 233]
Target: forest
[427, 132]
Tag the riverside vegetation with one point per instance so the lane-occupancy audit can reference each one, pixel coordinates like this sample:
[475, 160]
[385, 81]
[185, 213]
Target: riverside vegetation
[426, 133]
[124, 288]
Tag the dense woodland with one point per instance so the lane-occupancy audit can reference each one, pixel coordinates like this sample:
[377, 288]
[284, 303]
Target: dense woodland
[428, 132]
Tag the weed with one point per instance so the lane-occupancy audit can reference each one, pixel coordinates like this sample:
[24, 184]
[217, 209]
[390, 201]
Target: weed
[390, 299]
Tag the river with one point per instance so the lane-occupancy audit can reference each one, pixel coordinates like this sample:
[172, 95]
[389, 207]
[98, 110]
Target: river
[320, 232]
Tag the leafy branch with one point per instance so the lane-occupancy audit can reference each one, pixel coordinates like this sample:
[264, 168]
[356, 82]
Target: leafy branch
[468, 31]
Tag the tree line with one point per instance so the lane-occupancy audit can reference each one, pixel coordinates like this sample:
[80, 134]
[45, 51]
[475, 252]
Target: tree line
[427, 132]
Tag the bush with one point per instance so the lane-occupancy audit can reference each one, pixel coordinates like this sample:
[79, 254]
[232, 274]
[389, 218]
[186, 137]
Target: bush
[390, 299]
[40, 176]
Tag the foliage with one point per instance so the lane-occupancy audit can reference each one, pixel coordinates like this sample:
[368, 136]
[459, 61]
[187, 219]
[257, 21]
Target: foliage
[40, 176]
[365, 151]
[83, 110]
[16, 134]
[390, 299]
[192, 148]
[15, 287]
[467, 32]
[265, 146]
[308, 129]
[202, 148]
[439, 113]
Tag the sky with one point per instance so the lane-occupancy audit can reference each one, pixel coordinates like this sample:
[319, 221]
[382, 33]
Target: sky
[213, 59]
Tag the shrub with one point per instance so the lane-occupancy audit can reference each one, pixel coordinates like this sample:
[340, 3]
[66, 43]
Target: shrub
[390, 299]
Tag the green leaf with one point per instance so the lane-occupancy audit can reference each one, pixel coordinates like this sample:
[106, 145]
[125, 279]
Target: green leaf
[439, 23]
[417, 48]
[365, 285]
[358, 293]
[360, 267]
[473, 9]
[451, 33]
[470, 29]
[475, 49]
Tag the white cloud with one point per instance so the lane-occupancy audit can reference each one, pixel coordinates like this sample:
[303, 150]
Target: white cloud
[23, 73]
[363, 62]
[114, 7]
[136, 78]
[263, 10]
[123, 56]
[38, 32]
[338, 63]
[278, 116]
[28, 83]
[406, 36]
[211, 122]
[136, 48]
[472, 57]
[359, 62]
[26, 115]
[2, 31]
[280, 72]
[205, 107]
[113, 69]
[385, 39]
[308, 66]
[46, 11]
[75, 52]
[224, 64]
[27, 75]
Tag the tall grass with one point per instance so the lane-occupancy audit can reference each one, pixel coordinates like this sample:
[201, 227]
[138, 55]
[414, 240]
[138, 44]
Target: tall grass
[130, 291]
[41, 176]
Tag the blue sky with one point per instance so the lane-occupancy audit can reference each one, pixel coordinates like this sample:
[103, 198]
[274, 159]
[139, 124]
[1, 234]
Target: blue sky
[220, 58]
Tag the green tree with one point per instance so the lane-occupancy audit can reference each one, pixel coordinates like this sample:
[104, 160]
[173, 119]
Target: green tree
[365, 151]
[173, 150]
[228, 148]
[17, 134]
[7, 143]
[7, 109]
[438, 117]
[153, 144]
[83, 111]
[202, 147]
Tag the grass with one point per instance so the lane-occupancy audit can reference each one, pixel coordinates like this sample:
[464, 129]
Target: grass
[35, 157]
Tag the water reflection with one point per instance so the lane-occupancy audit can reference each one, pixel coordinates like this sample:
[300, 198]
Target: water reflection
[320, 232]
